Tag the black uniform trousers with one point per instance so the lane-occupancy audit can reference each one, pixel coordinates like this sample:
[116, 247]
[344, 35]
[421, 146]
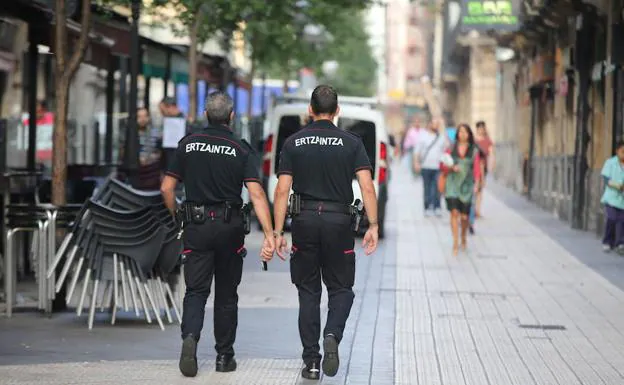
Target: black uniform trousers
[322, 248]
[213, 248]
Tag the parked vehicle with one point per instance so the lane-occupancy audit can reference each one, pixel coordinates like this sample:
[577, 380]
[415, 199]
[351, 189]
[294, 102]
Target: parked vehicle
[289, 114]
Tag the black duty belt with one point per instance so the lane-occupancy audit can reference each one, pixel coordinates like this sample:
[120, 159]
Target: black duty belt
[328, 207]
[214, 206]
[192, 212]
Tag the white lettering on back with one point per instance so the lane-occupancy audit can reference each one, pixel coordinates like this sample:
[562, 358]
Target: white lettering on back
[319, 141]
[211, 148]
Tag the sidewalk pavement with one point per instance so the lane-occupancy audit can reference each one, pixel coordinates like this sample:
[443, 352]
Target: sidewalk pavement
[531, 302]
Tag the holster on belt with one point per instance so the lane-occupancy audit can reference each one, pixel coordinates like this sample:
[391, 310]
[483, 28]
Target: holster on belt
[357, 213]
[246, 213]
[197, 213]
[294, 205]
[227, 212]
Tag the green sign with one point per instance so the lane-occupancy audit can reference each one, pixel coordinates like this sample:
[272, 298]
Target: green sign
[490, 14]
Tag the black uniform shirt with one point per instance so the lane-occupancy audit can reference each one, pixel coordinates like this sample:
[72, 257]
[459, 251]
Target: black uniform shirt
[213, 164]
[323, 160]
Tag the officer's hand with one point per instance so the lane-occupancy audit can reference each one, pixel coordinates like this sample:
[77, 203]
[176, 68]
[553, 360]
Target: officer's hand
[268, 248]
[370, 240]
[282, 247]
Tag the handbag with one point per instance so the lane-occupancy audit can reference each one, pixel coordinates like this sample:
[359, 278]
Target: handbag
[442, 183]
[415, 162]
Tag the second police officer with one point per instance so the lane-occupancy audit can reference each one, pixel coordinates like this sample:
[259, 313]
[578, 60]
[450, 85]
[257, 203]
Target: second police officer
[214, 164]
[319, 162]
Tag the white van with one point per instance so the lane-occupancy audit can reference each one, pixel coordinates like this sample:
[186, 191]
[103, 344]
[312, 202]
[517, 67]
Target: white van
[358, 115]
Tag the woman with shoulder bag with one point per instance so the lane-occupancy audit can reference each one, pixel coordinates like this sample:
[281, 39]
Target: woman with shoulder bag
[461, 172]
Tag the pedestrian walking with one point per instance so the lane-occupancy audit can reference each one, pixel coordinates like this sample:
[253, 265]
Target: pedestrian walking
[428, 151]
[460, 182]
[410, 140]
[613, 200]
[486, 146]
[322, 224]
[213, 165]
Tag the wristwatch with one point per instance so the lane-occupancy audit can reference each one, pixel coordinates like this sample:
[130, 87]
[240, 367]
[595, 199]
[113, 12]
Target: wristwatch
[278, 234]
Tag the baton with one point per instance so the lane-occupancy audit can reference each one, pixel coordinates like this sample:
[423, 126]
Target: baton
[264, 266]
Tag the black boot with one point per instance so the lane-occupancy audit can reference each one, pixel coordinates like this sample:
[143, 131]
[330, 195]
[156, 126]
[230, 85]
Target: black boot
[311, 371]
[331, 362]
[188, 356]
[225, 363]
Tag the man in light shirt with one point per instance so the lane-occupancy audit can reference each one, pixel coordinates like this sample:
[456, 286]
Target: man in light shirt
[428, 152]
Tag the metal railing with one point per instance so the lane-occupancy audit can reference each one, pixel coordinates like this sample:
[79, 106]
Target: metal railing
[552, 184]
[508, 168]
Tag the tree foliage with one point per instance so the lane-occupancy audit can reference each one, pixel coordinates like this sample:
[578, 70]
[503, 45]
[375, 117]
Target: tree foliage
[279, 41]
[351, 49]
[283, 49]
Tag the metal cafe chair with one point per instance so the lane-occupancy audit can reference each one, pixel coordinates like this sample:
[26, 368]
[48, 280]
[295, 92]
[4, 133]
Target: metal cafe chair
[140, 242]
[42, 220]
[121, 250]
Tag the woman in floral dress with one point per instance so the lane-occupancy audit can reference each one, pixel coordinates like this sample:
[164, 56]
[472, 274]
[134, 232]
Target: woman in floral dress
[461, 183]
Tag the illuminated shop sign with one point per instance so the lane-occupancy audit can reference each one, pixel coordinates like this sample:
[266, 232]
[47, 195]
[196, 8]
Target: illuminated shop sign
[489, 15]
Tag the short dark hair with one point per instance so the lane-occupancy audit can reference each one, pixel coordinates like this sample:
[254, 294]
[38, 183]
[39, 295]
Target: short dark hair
[324, 100]
[169, 100]
[219, 106]
[43, 104]
[619, 144]
[480, 123]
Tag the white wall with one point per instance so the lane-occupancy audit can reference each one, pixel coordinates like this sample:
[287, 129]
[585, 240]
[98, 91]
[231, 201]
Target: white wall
[376, 28]
[396, 40]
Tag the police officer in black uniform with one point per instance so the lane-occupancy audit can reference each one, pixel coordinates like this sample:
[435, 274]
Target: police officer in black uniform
[319, 162]
[214, 164]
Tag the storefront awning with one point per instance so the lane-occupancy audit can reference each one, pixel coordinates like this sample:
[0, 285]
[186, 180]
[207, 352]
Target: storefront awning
[155, 56]
[98, 47]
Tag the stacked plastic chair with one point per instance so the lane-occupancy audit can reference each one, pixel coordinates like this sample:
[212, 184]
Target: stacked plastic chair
[122, 251]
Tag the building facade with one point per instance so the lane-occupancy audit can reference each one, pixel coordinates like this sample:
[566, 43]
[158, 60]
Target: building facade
[409, 43]
[469, 71]
[559, 105]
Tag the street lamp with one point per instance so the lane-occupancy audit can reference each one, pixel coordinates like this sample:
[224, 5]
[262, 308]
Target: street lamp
[131, 151]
